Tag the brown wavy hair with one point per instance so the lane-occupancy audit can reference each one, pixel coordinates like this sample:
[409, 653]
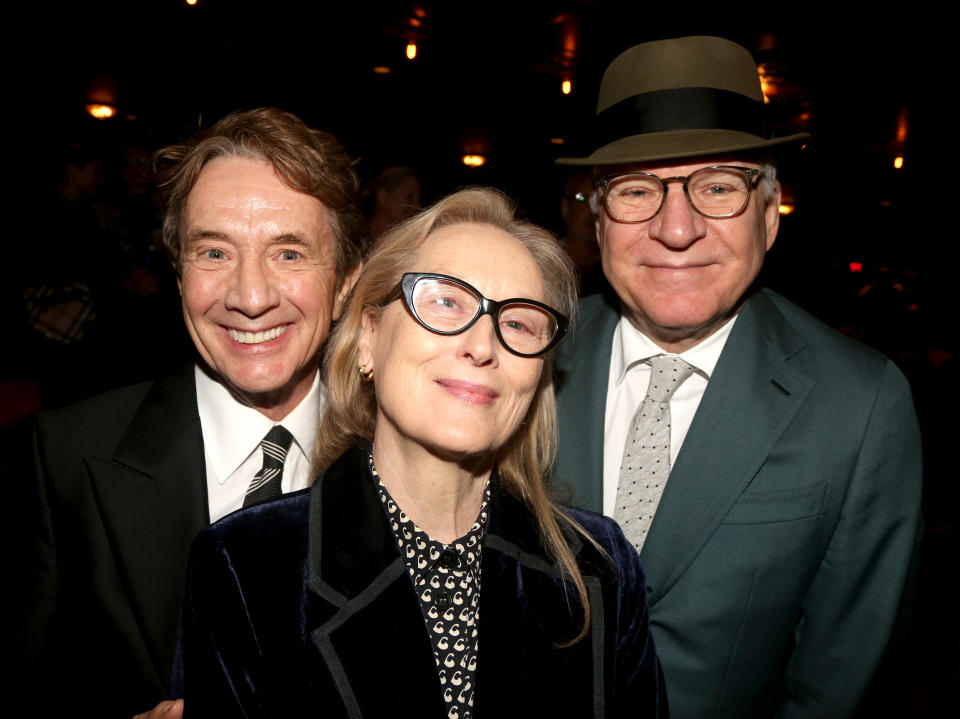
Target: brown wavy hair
[525, 461]
[307, 160]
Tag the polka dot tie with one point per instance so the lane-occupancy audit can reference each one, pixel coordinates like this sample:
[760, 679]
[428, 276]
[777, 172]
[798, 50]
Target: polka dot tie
[646, 455]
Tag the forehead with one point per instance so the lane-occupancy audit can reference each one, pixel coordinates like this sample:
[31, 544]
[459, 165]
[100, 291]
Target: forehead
[677, 168]
[490, 259]
[246, 191]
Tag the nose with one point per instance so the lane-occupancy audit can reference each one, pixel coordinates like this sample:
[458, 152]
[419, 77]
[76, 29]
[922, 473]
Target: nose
[252, 289]
[677, 224]
[479, 344]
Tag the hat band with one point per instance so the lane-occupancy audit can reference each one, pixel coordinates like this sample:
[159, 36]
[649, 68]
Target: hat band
[684, 108]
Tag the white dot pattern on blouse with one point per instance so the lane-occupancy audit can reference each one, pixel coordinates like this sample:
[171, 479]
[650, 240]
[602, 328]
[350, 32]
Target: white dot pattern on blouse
[446, 579]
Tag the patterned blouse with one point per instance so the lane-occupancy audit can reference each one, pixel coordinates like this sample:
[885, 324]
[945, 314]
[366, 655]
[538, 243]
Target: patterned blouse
[446, 578]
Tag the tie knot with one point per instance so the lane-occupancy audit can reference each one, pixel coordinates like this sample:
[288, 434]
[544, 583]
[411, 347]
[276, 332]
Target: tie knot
[666, 375]
[277, 440]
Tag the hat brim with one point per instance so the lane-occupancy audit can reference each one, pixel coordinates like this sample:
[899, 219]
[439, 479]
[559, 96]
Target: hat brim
[677, 144]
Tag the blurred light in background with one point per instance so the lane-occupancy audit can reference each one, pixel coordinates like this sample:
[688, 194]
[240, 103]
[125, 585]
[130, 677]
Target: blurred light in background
[101, 112]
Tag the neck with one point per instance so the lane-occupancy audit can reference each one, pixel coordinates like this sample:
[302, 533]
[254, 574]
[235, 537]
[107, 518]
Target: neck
[442, 495]
[275, 404]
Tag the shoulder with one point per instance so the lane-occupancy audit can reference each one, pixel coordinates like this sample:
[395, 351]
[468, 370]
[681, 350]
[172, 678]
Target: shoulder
[823, 351]
[597, 316]
[588, 345]
[593, 307]
[617, 553]
[124, 398]
[103, 417]
[603, 529]
[266, 531]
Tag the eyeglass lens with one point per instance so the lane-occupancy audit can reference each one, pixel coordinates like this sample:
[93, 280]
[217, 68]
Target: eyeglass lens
[713, 191]
[448, 307]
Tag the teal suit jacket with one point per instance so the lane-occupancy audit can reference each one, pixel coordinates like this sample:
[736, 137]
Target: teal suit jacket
[779, 553]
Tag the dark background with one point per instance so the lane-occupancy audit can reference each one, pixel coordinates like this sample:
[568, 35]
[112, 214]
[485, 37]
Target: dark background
[487, 79]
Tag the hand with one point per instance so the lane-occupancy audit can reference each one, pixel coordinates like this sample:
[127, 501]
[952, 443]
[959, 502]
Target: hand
[164, 710]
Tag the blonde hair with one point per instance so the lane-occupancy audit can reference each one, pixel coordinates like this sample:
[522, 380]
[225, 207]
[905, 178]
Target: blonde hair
[525, 461]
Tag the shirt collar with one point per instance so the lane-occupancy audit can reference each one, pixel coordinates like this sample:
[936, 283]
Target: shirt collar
[232, 431]
[413, 541]
[632, 347]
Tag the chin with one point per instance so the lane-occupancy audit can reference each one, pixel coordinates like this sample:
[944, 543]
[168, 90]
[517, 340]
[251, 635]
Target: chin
[462, 448]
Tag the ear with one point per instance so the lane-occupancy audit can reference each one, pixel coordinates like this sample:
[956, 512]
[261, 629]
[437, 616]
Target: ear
[343, 291]
[598, 226]
[365, 345]
[772, 216]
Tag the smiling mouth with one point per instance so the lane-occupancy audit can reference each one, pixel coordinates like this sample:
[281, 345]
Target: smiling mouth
[469, 392]
[253, 338]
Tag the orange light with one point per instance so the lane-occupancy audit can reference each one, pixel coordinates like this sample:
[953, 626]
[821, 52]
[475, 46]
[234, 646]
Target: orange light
[474, 160]
[855, 266]
[787, 209]
[382, 70]
[567, 86]
[101, 112]
[557, 141]
[898, 162]
[768, 82]
[902, 126]
[411, 50]
[191, 2]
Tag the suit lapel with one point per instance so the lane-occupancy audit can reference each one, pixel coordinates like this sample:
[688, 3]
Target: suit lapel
[527, 613]
[364, 599]
[152, 498]
[751, 398]
[582, 375]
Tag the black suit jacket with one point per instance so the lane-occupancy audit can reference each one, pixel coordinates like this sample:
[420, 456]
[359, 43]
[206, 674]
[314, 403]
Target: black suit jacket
[120, 494]
[304, 607]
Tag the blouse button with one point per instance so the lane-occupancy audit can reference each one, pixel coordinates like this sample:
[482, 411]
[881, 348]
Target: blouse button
[441, 600]
[448, 559]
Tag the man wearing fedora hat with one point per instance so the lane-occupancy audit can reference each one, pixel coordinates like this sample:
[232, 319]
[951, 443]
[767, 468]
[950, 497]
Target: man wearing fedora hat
[778, 552]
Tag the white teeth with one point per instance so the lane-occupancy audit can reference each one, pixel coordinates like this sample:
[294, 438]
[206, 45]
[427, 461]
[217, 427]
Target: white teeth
[252, 338]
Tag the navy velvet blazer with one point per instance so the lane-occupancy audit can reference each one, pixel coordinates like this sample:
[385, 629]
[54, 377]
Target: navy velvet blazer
[304, 607]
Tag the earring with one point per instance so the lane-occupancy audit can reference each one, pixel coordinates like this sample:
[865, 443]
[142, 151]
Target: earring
[365, 374]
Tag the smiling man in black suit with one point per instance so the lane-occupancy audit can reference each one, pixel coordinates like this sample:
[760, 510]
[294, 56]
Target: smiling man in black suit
[263, 224]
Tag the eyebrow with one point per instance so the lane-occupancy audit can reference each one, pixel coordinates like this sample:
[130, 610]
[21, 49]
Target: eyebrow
[197, 234]
[286, 238]
[290, 238]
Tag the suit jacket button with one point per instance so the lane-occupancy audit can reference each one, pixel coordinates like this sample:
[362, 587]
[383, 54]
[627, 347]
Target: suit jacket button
[441, 600]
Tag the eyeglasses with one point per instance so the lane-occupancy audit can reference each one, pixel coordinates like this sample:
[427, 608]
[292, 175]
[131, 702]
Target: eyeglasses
[719, 191]
[448, 306]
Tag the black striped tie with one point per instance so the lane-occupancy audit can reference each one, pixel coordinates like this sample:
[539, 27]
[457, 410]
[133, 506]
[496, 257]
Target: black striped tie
[266, 483]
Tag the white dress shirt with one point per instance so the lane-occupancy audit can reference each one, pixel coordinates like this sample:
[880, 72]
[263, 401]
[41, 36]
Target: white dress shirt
[231, 442]
[627, 386]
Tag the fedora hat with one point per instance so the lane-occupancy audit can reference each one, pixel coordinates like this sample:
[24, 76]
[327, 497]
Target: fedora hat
[684, 97]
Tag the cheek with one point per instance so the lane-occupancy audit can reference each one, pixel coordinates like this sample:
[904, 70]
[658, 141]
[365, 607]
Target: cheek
[396, 350]
[312, 296]
[526, 381]
[199, 293]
